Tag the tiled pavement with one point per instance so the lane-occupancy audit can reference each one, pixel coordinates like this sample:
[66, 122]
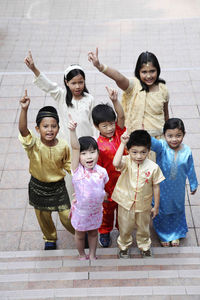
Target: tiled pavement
[60, 33]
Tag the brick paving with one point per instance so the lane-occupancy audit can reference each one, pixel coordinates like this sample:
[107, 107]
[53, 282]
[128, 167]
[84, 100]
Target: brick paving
[60, 33]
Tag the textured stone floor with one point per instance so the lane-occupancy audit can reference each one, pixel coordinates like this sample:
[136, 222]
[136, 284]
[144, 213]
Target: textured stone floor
[60, 33]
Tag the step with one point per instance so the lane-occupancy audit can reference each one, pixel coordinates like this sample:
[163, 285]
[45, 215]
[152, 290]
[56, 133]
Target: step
[59, 274]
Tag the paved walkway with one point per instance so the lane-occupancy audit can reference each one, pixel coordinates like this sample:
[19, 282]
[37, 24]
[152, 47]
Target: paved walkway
[60, 33]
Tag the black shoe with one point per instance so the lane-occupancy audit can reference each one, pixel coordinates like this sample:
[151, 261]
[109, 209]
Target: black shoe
[86, 241]
[50, 246]
[104, 240]
[124, 254]
[146, 253]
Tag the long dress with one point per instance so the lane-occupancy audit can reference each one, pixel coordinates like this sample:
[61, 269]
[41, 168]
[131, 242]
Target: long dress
[170, 224]
[81, 112]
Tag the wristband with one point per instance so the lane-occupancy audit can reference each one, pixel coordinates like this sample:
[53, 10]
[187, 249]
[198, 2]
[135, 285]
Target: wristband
[105, 67]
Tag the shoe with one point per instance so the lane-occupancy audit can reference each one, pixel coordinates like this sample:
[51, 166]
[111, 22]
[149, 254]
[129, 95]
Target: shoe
[165, 244]
[146, 253]
[175, 243]
[83, 257]
[50, 246]
[104, 240]
[124, 254]
[86, 241]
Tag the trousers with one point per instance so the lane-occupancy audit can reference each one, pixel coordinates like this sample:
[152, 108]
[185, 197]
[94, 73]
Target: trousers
[128, 220]
[109, 209]
[47, 225]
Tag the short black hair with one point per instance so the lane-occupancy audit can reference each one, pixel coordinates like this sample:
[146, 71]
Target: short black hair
[46, 111]
[174, 123]
[87, 143]
[103, 113]
[139, 138]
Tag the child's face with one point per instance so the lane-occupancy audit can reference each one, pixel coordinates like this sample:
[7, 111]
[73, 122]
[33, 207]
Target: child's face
[48, 130]
[138, 154]
[148, 74]
[107, 129]
[88, 158]
[76, 85]
[174, 138]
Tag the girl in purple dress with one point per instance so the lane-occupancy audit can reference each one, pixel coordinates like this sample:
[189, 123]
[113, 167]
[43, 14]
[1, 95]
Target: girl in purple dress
[88, 180]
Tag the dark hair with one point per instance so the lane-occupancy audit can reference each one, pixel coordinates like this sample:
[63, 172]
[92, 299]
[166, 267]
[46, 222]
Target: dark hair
[174, 123]
[139, 138]
[69, 76]
[144, 58]
[46, 111]
[87, 143]
[103, 113]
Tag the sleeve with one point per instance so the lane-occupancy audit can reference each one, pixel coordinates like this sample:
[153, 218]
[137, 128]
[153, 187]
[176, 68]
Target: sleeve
[95, 132]
[28, 141]
[106, 178]
[67, 160]
[156, 145]
[48, 86]
[119, 131]
[158, 176]
[124, 163]
[165, 92]
[100, 159]
[130, 86]
[192, 174]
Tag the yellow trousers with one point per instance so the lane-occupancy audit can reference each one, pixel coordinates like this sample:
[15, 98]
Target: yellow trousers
[128, 220]
[47, 226]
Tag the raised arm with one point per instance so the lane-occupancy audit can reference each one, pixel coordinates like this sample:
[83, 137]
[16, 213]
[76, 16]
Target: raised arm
[30, 64]
[119, 78]
[118, 107]
[117, 160]
[25, 101]
[74, 143]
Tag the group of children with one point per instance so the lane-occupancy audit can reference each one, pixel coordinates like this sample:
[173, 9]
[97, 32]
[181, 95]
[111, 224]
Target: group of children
[114, 176]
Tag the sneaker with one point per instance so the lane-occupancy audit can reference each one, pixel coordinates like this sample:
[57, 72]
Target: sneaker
[50, 246]
[146, 253]
[124, 254]
[104, 240]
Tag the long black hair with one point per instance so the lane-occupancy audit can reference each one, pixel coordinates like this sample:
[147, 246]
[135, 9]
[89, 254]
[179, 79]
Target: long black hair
[69, 76]
[144, 58]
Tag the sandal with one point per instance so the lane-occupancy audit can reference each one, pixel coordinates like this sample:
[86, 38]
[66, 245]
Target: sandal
[83, 257]
[175, 243]
[165, 244]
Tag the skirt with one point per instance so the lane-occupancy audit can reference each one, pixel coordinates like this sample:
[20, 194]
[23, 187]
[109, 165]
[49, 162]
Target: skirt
[51, 196]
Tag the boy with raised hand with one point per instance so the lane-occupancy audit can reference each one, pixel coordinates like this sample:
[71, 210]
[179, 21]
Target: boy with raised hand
[139, 180]
[110, 126]
[49, 158]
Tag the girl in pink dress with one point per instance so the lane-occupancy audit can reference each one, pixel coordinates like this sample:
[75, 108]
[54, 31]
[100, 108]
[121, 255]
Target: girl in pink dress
[89, 180]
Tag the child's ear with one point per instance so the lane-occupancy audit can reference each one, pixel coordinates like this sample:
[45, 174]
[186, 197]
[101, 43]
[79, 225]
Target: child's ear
[66, 82]
[37, 129]
[97, 127]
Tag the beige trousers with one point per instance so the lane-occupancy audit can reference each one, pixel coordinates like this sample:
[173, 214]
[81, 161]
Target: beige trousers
[128, 220]
[47, 226]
